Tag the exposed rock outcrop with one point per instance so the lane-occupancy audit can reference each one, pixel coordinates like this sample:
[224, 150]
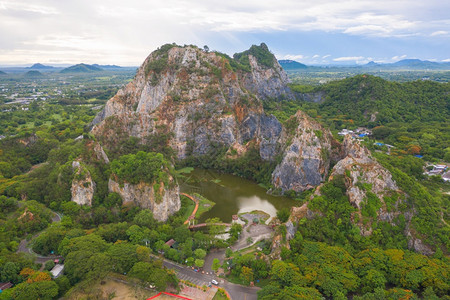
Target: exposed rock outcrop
[83, 187]
[267, 82]
[317, 97]
[359, 167]
[100, 153]
[307, 157]
[198, 101]
[418, 246]
[163, 202]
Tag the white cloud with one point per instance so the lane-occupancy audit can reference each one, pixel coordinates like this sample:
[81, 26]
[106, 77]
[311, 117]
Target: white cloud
[316, 56]
[126, 31]
[296, 57]
[349, 58]
[326, 56]
[396, 58]
[439, 32]
[446, 60]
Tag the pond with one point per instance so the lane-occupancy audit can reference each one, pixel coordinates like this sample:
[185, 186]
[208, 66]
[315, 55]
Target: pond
[232, 195]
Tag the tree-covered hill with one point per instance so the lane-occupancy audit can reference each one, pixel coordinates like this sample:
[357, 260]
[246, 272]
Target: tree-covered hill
[412, 116]
[361, 96]
[81, 68]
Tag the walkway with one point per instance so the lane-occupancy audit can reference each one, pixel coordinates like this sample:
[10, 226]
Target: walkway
[192, 216]
[236, 291]
[25, 246]
[209, 224]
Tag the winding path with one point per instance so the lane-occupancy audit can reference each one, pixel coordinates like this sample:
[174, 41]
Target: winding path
[192, 216]
[25, 246]
[236, 291]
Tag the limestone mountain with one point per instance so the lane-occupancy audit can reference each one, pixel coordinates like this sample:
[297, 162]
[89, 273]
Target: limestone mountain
[209, 106]
[309, 150]
[199, 99]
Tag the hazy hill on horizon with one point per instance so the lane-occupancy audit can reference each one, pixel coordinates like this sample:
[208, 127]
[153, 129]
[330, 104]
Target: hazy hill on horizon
[409, 64]
[81, 68]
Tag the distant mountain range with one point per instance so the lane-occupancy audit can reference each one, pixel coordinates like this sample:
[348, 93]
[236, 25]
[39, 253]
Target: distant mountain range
[415, 64]
[405, 64]
[39, 66]
[288, 64]
[107, 67]
[33, 74]
[82, 68]
[2, 73]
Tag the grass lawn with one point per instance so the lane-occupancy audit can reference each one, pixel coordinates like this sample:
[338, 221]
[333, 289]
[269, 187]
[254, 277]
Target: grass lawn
[219, 296]
[190, 205]
[204, 205]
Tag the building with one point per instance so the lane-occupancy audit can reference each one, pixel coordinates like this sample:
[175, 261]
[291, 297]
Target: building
[446, 177]
[5, 285]
[57, 270]
[438, 170]
[345, 132]
[170, 242]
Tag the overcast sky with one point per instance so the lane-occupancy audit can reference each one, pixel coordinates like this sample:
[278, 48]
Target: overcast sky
[124, 32]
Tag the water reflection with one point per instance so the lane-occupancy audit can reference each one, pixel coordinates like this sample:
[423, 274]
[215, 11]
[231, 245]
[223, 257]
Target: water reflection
[248, 204]
[232, 195]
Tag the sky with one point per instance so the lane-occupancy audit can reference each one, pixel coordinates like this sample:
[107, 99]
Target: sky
[309, 31]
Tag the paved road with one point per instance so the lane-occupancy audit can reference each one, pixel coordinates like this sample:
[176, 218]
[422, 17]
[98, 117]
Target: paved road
[25, 247]
[236, 291]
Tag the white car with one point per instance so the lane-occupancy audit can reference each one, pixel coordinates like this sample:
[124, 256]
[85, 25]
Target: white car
[214, 282]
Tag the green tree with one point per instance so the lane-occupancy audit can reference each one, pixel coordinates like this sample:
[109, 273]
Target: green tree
[215, 264]
[283, 215]
[45, 290]
[199, 263]
[10, 272]
[123, 256]
[246, 275]
[200, 253]
[144, 218]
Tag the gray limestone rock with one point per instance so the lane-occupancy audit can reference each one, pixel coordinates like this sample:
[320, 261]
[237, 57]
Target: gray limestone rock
[144, 195]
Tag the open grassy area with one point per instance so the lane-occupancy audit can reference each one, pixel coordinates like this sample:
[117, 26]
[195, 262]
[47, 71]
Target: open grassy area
[204, 205]
[190, 205]
[111, 289]
[220, 296]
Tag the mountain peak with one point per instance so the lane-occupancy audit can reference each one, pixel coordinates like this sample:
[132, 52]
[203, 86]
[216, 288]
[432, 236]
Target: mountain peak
[40, 66]
[289, 64]
[81, 68]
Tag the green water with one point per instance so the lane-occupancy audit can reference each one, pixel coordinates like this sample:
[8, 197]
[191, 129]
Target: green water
[232, 195]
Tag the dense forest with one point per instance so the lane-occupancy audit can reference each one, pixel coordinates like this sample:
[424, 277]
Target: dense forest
[412, 116]
[327, 257]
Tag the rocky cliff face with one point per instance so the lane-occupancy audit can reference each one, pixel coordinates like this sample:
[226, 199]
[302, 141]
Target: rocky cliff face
[267, 82]
[358, 166]
[83, 187]
[196, 99]
[365, 178]
[163, 202]
[306, 160]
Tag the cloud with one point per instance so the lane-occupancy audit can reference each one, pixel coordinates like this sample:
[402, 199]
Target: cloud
[396, 58]
[349, 58]
[296, 57]
[10, 7]
[125, 32]
[446, 60]
[326, 56]
[440, 32]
